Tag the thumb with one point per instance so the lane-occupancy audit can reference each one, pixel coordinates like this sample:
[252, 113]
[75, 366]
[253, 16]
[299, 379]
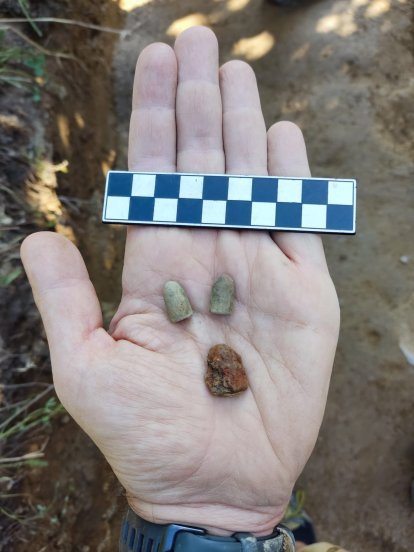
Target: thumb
[62, 290]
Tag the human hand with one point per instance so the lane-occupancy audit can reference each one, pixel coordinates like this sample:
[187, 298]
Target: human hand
[183, 455]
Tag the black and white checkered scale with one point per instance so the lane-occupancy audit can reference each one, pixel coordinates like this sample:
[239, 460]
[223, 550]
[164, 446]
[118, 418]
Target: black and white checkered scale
[231, 201]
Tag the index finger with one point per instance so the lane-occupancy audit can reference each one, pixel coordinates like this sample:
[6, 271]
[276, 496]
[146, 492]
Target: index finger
[152, 134]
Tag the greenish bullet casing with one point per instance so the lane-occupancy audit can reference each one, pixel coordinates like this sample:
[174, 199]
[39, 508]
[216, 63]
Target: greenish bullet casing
[176, 302]
[222, 295]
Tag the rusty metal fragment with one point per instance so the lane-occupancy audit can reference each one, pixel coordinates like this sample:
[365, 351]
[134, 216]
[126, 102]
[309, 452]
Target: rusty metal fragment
[225, 375]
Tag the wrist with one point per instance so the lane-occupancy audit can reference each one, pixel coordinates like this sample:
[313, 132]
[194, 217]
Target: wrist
[216, 519]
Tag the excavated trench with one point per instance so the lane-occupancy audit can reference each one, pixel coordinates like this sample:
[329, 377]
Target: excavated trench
[57, 156]
[341, 70]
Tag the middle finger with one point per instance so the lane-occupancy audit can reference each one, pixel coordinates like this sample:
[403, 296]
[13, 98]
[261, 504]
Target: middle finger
[198, 103]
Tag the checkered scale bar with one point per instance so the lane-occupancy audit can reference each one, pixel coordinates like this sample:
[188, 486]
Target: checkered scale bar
[227, 201]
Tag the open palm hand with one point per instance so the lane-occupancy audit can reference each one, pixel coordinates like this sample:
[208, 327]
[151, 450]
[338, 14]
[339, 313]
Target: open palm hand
[183, 455]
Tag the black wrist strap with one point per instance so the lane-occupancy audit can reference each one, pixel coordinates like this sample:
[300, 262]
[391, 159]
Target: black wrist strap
[138, 535]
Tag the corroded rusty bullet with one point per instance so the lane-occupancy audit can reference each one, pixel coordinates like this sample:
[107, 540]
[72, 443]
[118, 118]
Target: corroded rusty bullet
[225, 375]
[222, 295]
[176, 302]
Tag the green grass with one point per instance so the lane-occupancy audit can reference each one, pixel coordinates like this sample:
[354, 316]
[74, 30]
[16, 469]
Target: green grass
[20, 67]
[295, 515]
[24, 6]
[21, 421]
[7, 279]
[14, 436]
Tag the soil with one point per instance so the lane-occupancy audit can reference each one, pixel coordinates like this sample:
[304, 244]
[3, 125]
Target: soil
[343, 71]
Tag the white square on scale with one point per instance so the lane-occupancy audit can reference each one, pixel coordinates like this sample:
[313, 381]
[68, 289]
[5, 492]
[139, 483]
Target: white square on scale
[117, 208]
[143, 185]
[240, 188]
[214, 212]
[313, 216]
[263, 213]
[165, 210]
[340, 192]
[289, 191]
[191, 186]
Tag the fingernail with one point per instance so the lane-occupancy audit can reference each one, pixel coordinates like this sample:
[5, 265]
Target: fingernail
[176, 302]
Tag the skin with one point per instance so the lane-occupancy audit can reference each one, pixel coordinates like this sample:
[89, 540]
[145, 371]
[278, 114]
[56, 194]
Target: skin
[138, 390]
